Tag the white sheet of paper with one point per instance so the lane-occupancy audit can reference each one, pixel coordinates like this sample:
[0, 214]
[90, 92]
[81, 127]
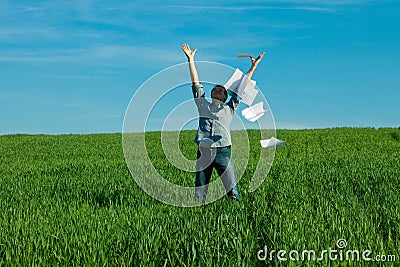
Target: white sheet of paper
[256, 117]
[233, 82]
[238, 83]
[254, 112]
[272, 142]
[247, 93]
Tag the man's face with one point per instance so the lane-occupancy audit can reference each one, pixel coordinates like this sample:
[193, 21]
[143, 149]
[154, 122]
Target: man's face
[219, 93]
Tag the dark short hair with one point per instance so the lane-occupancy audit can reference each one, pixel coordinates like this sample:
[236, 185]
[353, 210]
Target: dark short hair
[223, 87]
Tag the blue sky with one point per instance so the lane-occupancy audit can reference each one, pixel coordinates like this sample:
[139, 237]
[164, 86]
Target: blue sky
[73, 66]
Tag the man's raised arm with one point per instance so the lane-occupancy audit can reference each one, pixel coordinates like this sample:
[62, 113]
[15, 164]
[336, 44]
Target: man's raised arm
[254, 63]
[192, 67]
[234, 101]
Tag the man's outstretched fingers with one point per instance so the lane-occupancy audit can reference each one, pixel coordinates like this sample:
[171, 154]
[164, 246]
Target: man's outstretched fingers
[189, 53]
[257, 60]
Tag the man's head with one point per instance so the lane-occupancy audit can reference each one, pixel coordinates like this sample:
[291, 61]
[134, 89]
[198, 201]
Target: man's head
[219, 92]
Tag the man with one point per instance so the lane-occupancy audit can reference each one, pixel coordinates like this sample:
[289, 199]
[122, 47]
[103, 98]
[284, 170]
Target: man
[213, 135]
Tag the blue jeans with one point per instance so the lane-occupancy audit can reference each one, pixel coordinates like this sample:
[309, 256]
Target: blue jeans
[220, 159]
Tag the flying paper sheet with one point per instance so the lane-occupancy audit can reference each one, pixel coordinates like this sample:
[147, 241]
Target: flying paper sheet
[253, 113]
[234, 81]
[244, 88]
[247, 90]
[272, 142]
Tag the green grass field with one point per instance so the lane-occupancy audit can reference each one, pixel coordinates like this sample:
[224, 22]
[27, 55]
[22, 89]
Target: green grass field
[70, 200]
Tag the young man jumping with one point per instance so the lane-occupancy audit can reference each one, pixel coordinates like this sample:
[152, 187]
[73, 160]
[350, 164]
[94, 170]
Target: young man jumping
[213, 135]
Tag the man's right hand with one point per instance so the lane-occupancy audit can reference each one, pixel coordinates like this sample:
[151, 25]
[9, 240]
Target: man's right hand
[188, 52]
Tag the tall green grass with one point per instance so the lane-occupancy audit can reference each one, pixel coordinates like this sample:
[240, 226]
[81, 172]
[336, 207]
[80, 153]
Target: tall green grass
[70, 200]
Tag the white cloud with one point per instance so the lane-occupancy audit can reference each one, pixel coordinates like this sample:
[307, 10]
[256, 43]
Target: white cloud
[319, 2]
[194, 8]
[142, 55]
